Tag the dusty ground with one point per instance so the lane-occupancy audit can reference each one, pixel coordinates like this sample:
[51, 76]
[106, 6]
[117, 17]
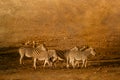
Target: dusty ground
[61, 24]
[10, 69]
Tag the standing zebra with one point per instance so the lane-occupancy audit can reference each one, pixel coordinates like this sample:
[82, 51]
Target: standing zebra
[39, 53]
[73, 57]
[28, 51]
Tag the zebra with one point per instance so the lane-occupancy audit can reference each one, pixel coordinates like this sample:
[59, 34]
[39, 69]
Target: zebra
[40, 53]
[52, 54]
[28, 51]
[42, 56]
[62, 55]
[53, 57]
[73, 57]
[46, 55]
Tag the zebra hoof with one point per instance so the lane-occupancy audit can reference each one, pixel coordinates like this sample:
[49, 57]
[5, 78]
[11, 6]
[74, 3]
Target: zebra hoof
[67, 66]
[34, 67]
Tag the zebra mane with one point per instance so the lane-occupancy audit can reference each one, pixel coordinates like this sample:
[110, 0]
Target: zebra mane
[84, 48]
[74, 49]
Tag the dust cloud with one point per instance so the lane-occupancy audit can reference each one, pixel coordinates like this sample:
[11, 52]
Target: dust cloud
[94, 22]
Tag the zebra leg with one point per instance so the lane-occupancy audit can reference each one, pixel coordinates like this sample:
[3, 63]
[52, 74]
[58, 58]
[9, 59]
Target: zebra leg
[45, 63]
[67, 64]
[52, 64]
[34, 63]
[77, 63]
[85, 63]
[73, 63]
[21, 57]
[49, 63]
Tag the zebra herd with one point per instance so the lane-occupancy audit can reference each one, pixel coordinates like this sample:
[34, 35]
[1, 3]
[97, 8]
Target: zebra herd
[72, 57]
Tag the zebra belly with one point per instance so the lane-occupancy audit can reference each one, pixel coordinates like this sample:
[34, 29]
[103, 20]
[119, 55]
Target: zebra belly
[41, 59]
[78, 58]
[28, 55]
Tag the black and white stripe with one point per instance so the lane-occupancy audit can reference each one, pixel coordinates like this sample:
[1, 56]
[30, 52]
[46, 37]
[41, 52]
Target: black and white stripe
[40, 53]
[74, 56]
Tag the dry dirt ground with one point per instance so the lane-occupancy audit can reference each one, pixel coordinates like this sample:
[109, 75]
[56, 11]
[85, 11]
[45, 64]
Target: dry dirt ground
[10, 69]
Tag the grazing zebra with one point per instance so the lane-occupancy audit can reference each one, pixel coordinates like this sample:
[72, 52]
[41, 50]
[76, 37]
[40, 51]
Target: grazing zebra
[73, 57]
[53, 57]
[52, 54]
[40, 53]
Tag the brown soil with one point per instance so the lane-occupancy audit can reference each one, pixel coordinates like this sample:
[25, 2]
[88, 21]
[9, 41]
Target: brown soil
[10, 69]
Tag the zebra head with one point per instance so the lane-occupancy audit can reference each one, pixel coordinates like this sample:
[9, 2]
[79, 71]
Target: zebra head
[42, 47]
[92, 51]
